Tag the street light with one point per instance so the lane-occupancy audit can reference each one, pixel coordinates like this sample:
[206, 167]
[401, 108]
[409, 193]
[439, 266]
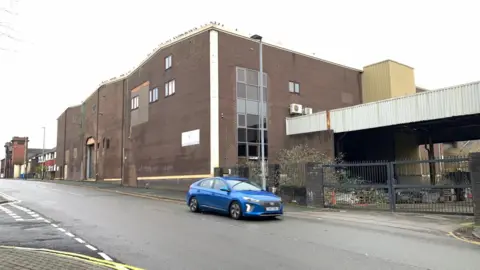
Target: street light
[43, 154]
[261, 116]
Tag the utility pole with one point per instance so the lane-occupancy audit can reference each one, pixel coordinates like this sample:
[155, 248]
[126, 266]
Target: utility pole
[43, 154]
[262, 110]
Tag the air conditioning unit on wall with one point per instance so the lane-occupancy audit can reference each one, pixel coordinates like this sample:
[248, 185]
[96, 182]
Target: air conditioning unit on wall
[307, 111]
[296, 108]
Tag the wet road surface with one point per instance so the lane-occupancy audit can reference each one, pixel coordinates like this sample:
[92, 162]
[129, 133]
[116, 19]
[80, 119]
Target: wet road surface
[163, 235]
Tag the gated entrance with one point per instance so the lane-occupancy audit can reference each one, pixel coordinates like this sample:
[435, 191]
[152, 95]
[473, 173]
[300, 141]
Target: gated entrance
[432, 186]
[429, 186]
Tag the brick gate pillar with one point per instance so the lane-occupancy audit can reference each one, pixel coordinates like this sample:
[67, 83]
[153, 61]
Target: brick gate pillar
[474, 165]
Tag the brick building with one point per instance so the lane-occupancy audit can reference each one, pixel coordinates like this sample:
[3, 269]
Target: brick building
[193, 105]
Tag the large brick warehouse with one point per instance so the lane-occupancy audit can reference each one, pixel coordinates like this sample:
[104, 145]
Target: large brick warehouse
[193, 105]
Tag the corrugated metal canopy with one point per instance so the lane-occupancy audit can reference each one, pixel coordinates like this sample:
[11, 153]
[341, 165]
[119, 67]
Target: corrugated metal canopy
[448, 102]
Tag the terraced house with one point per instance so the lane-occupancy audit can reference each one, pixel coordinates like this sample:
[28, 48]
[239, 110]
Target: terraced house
[194, 104]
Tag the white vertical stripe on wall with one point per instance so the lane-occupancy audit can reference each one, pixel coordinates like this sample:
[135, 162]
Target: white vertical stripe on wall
[214, 103]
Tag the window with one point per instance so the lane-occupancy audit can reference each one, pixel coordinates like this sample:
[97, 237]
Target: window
[108, 143]
[168, 62]
[219, 184]
[294, 87]
[243, 185]
[206, 183]
[135, 103]
[170, 88]
[153, 95]
[249, 124]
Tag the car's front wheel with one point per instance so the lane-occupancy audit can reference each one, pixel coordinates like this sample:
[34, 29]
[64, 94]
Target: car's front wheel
[235, 211]
[193, 205]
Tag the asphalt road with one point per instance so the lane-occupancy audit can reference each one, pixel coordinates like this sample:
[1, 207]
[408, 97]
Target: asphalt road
[162, 235]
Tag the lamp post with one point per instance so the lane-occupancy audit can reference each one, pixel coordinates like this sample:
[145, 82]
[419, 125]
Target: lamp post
[43, 154]
[261, 116]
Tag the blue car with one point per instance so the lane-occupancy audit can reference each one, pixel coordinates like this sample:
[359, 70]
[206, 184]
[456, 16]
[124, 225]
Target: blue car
[233, 195]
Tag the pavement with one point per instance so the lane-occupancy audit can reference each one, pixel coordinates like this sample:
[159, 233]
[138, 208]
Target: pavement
[19, 259]
[154, 233]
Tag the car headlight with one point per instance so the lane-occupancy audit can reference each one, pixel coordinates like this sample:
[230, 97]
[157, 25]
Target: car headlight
[248, 199]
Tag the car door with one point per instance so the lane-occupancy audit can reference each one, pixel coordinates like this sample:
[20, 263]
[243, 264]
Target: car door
[204, 192]
[220, 199]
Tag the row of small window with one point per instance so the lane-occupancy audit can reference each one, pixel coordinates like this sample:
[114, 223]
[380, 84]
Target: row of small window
[251, 135]
[153, 94]
[251, 150]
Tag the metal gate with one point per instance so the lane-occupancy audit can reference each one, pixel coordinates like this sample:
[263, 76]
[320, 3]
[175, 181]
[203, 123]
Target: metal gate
[431, 186]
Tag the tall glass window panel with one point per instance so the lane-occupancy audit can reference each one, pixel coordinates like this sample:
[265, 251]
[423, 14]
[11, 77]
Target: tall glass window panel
[252, 77]
[241, 120]
[253, 136]
[241, 135]
[241, 90]
[253, 121]
[241, 75]
[241, 106]
[252, 107]
[252, 93]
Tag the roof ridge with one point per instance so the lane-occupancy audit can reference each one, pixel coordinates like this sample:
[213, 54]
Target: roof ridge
[197, 30]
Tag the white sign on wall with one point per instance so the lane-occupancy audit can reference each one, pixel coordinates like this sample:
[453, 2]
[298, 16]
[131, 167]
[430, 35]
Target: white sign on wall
[191, 137]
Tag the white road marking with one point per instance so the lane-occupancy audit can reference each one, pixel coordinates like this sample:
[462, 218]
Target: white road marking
[80, 240]
[91, 247]
[105, 256]
[38, 217]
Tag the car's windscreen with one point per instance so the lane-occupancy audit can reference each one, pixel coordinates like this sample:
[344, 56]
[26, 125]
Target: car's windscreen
[243, 185]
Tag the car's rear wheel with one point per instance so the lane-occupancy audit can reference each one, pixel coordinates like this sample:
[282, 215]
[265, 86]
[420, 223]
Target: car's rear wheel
[235, 211]
[193, 205]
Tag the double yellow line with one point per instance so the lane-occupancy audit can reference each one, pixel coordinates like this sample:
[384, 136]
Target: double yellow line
[88, 259]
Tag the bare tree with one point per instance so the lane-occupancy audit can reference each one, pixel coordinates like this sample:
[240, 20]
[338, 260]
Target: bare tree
[293, 161]
[6, 30]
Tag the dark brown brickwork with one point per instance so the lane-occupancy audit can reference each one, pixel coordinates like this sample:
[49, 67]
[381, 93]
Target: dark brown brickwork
[68, 139]
[60, 148]
[323, 86]
[110, 130]
[153, 147]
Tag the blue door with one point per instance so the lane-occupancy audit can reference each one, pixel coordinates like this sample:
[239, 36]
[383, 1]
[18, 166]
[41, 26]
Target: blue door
[220, 198]
[204, 193]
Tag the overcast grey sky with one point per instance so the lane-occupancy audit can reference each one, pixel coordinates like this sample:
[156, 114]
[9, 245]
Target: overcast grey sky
[68, 47]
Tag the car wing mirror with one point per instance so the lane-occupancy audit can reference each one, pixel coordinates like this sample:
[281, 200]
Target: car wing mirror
[225, 189]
